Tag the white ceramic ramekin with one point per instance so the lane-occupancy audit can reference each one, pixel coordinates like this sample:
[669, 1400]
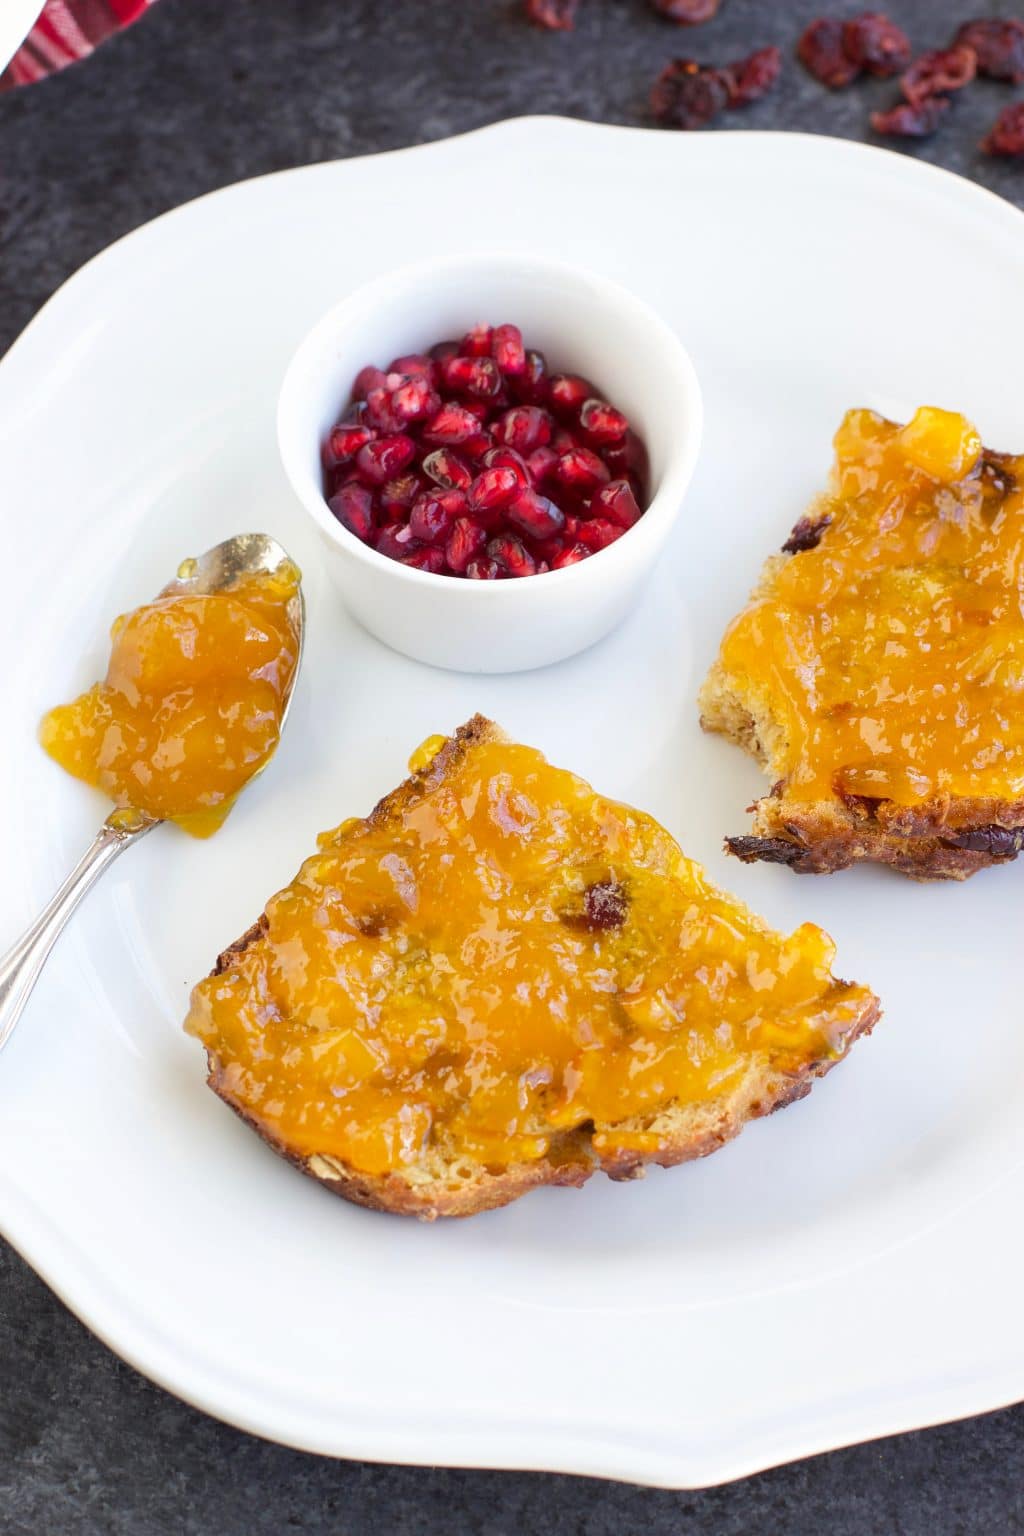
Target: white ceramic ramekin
[584, 324]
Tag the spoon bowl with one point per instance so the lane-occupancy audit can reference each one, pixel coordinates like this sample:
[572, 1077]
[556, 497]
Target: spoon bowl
[246, 554]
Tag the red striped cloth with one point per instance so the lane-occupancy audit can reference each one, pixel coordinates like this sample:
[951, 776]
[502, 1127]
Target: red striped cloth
[68, 30]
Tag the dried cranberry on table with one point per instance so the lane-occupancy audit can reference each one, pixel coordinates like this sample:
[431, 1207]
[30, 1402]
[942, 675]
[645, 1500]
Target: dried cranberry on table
[476, 461]
[753, 77]
[688, 95]
[999, 46]
[687, 12]
[1006, 136]
[821, 52]
[912, 120]
[876, 44]
[938, 72]
[556, 15]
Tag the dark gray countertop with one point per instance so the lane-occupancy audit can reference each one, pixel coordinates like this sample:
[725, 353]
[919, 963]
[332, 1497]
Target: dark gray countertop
[196, 96]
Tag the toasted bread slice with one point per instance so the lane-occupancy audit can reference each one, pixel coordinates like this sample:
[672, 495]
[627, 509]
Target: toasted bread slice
[499, 980]
[877, 671]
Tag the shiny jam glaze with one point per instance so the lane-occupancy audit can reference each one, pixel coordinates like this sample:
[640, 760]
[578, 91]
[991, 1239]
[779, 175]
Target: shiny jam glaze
[191, 705]
[496, 955]
[892, 652]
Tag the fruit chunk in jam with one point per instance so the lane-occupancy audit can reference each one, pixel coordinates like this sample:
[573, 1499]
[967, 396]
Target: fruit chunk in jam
[495, 956]
[890, 648]
[191, 704]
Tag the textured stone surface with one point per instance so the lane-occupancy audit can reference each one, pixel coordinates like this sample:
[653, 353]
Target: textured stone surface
[197, 96]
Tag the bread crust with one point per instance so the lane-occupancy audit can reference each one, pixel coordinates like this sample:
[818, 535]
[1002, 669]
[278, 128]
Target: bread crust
[686, 1131]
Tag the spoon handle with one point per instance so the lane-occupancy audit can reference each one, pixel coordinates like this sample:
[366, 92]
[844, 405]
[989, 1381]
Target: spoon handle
[20, 967]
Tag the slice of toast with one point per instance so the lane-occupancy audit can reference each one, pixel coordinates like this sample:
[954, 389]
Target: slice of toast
[499, 980]
[877, 671]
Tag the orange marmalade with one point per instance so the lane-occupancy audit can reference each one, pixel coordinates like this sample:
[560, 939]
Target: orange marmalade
[889, 648]
[192, 702]
[496, 955]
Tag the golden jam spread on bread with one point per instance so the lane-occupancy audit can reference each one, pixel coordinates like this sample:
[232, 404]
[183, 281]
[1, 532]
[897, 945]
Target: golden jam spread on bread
[887, 651]
[498, 957]
[192, 702]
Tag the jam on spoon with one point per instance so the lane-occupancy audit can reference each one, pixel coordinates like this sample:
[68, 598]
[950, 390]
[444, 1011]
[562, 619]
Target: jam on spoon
[193, 704]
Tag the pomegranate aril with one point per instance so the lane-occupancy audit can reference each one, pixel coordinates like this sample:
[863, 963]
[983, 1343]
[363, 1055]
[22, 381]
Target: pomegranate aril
[431, 519]
[616, 502]
[507, 458]
[540, 463]
[531, 386]
[477, 342]
[484, 568]
[572, 554]
[395, 541]
[581, 471]
[353, 507]
[507, 349]
[535, 515]
[414, 362]
[344, 442]
[441, 351]
[433, 515]
[567, 392]
[337, 476]
[523, 428]
[598, 533]
[493, 489]
[447, 469]
[384, 458]
[477, 376]
[453, 423]
[546, 551]
[477, 446]
[513, 555]
[431, 560]
[366, 379]
[380, 412]
[563, 441]
[414, 399]
[397, 496]
[628, 458]
[464, 543]
[601, 422]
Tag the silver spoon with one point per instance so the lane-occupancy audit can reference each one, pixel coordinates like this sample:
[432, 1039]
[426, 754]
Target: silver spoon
[245, 554]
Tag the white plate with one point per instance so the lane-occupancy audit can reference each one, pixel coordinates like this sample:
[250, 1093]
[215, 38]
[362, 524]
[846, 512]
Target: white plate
[848, 1268]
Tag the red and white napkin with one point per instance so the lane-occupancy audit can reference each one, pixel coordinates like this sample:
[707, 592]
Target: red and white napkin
[66, 31]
